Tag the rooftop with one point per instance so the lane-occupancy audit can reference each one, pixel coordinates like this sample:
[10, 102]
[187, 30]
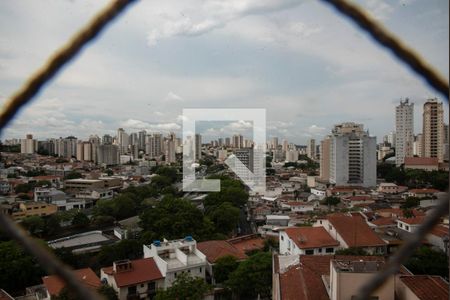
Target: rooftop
[427, 287]
[422, 161]
[136, 271]
[354, 231]
[310, 237]
[54, 284]
[214, 250]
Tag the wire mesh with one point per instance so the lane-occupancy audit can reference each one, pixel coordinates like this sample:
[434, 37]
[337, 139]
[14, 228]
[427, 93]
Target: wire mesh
[37, 81]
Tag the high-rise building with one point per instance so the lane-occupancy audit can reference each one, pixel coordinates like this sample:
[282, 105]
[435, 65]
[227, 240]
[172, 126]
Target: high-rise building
[311, 149]
[220, 142]
[285, 145]
[123, 140]
[108, 154]
[238, 141]
[227, 142]
[84, 151]
[141, 136]
[353, 157]
[446, 143]
[433, 129]
[291, 155]
[28, 145]
[417, 147]
[169, 151]
[154, 145]
[404, 131]
[66, 147]
[274, 143]
[245, 155]
[325, 158]
[198, 147]
[107, 139]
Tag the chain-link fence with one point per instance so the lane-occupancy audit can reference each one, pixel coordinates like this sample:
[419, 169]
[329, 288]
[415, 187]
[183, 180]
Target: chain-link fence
[86, 34]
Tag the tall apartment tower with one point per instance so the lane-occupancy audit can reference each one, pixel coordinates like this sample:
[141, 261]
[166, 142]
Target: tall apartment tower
[404, 129]
[311, 149]
[198, 147]
[154, 145]
[325, 158]
[433, 129]
[353, 159]
[28, 145]
[274, 143]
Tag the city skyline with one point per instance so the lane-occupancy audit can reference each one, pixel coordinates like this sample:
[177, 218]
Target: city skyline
[161, 58]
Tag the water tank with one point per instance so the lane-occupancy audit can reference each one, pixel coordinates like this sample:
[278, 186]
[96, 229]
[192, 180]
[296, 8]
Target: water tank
[188, 238]
[157, 243]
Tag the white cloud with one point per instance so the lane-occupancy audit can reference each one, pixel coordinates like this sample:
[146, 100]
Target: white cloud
[171, 96]
[133, 124]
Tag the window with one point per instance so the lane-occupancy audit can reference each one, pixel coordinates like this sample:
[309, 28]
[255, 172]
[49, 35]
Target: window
[319, 250]
[282, 237]
[132, 290]
[200, 269]
[309, 252]
[151, 287]
[329, 250]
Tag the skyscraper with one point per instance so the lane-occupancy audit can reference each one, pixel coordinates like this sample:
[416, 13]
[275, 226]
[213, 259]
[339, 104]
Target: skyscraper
[154, 145]
[353, 158]
[198, 147]
[28, 145]
[404, 129]
[433, 129]
[325, 158]
[311, 149]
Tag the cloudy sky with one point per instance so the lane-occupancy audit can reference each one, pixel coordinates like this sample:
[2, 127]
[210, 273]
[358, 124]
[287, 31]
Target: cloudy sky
[307, 66]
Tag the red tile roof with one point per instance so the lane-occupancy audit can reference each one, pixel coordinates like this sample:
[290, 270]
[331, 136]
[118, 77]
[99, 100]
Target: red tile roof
[303, 281]
[440, 231]
[299, 203]
[424, 191]
[310, 237]
[354, 231]
[54, 284]
[214, 250]
[427, 287]
[383, 221]
[421, 161]
[142, 270]
[358, 198]
[413, 221]
[247, 243]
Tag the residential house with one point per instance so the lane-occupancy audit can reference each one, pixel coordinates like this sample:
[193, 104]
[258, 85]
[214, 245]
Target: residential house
[307, 240]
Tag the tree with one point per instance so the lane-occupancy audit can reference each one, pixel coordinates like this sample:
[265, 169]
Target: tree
[108, 292]
[223, 267]
[411, 202]
[185, 287]
[225, 217]
[125, 249]
[18, 269]
[52, 224]
[172, 218]
[331, 200]
[34, 224]
[253, 277]
[80, 220]
[428, 261]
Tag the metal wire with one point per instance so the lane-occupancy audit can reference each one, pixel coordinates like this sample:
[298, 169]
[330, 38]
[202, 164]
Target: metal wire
[32, 86]
[29, 89]
[46, 259]
[407, 249]
[394, 44]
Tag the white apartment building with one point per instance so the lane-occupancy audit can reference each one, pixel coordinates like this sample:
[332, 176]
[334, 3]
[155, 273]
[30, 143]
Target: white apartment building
[352, 156]
[28, 145]
[404, 128]
[176, 257]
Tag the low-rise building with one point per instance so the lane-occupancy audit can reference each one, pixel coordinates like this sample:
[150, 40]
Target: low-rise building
[438, 238]
[53, 284]
[31, 208]
[138, 278]
[421, 287]
[391, 188]
[422, 163]
[422, 193]
[410, 224]
[301, 207]
[352, 231]
[176, 257]
[307, 240]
